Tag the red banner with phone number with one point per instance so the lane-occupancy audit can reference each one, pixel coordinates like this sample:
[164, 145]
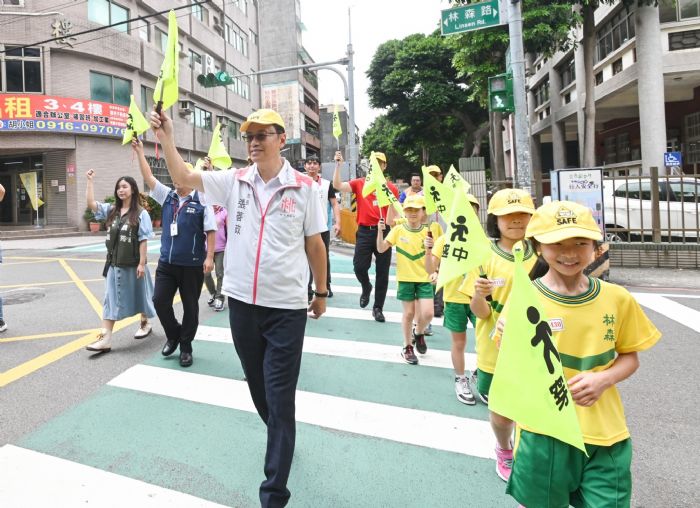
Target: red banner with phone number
[25, 112]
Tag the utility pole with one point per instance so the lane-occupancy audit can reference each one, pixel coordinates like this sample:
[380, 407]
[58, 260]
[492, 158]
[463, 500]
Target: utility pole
[352, 145]
[517, 60]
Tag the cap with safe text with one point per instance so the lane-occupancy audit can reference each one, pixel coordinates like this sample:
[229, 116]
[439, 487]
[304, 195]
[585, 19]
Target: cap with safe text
[414, 201]
[507, 201]
[559, 220]
[263, 117]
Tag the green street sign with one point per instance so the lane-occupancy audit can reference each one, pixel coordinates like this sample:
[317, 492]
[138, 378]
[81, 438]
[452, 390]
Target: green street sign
[470, 17]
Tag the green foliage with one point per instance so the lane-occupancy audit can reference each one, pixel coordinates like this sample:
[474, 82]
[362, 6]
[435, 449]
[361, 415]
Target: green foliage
[427, 102]
[154, 208]
[89, 216]
[479, 54]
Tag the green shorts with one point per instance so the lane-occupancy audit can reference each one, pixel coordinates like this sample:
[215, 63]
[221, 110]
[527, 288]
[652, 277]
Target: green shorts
[409, 291]
[483, 382]
[456, 315]
[548, 473]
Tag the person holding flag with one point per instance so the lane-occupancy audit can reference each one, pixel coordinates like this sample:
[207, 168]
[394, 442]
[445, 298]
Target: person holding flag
[415, 288]
[488, 287]
[369, 212]
[582, 337]
[457, 311]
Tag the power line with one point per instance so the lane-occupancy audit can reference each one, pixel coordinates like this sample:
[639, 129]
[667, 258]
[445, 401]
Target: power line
[92, 30]
[18, 16]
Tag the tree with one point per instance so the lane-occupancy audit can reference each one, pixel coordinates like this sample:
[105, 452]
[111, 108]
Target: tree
[414, 80]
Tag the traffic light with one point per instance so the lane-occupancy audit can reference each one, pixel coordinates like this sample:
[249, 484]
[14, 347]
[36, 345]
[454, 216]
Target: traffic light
[501, 93]
[212, 79]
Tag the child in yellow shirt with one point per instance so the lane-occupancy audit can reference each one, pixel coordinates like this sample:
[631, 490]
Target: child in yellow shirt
[415, 289]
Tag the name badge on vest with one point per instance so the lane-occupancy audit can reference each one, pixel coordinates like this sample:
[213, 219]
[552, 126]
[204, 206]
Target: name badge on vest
[556, 324]
[173, 229]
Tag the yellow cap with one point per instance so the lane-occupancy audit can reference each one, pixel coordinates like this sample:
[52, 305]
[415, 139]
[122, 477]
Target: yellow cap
[380, 156]
[434, 170]
[559, 220]
[472, 199]
[414, 201]
[507, 201]
[263, 117]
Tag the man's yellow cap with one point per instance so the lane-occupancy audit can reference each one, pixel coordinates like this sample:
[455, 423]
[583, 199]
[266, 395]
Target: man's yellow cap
[380, 156]
[507, 201]
[559, 220]
[434, 170]
[414, 201]
[263, 117]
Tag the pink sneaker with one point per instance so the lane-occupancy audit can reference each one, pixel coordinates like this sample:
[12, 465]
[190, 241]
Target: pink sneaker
[504, 463]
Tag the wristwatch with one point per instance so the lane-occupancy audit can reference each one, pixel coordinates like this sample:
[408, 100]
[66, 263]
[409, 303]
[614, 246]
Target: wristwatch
[321, 295]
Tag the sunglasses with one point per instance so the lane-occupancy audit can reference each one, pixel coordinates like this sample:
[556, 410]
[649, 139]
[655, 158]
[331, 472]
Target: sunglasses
[259, 137]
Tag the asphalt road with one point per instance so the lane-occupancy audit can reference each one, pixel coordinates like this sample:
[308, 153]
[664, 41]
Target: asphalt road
[45, 374]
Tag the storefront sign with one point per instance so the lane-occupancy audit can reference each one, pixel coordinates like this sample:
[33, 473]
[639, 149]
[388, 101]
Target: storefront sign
[43, 113]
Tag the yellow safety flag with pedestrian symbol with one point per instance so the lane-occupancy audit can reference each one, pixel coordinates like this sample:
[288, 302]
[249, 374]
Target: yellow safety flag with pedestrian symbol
[135, 123]
[375, 181]
[528, 384]
[337, 128]
[453, 179]
[466, 244]
[217, 151]
[370, 183]
[30, 184]
[438, 196]
[165, 93]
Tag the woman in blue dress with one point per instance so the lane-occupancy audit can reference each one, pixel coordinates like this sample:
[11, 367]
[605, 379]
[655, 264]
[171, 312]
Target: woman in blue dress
[129, 288]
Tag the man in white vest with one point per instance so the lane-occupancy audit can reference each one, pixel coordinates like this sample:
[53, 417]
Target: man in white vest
[326, 195]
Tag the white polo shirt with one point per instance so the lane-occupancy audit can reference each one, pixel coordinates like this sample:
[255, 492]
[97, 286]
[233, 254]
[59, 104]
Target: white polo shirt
[265, 259]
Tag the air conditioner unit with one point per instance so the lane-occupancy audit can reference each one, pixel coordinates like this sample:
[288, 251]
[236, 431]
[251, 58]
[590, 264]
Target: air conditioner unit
[209, 65]
[186, 108]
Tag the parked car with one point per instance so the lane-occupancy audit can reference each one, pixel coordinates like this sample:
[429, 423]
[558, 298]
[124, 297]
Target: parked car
[628, 210]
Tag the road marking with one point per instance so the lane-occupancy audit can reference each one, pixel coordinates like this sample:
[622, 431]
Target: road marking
[36, 284]
[359, 350]
[351, 276]
[357, 290]
[366, 315]
[673, 310]
[31, 478]
[448, 433]
[35, 262]
[47, 335]
[94, 303]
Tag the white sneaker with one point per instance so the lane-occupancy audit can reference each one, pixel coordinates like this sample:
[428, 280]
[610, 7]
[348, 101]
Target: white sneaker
[464, 394]
[3, 325]
[219, 305]
[144, 331]
[103, 342]
[475, 388]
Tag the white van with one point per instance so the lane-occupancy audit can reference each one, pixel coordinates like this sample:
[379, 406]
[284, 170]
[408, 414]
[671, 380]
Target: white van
[627, 204]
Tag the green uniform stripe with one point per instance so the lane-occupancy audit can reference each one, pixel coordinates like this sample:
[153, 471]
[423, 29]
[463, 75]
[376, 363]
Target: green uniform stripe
[529, 251]
[587, 362]
[412, 257]
[587, 296]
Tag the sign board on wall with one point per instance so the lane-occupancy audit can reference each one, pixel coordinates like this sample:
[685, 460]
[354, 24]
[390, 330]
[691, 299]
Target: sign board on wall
[44, 113]
[284, 98]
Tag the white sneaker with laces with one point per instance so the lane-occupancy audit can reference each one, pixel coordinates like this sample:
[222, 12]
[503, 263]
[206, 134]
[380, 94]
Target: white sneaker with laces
[464, 394]
[219, 305]
[144, 331]
[103, 342]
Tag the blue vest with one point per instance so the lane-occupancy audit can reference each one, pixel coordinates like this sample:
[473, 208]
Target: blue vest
[187, 248]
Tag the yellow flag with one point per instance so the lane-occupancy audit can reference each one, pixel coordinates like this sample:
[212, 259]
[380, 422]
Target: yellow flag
[166, 90]
[217, 151]
[29, 182]
[528, 384]
[453, 179]
[370, 181]
[135, 123]
[438, 196]
[466, 244]
[375, 180]
[337, 128]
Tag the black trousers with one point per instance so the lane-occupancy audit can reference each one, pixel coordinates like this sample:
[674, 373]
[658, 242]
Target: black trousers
[365, 247]
[188, 281]
[326, 237]
[269, 343]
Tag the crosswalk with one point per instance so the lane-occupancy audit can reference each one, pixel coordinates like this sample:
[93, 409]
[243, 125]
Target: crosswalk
[372, 431]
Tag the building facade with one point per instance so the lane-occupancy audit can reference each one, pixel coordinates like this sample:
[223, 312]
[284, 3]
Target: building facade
[63, 103]
[647, 92]
[294, 93]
